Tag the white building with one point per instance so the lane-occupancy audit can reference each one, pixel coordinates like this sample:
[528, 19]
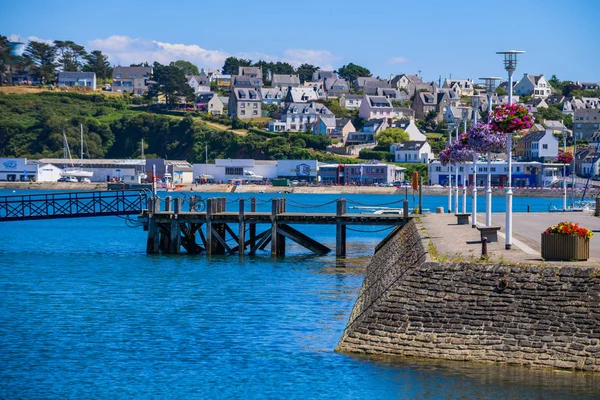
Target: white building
[412, 152]
[84, 79]
[533, 85]
[18, 170]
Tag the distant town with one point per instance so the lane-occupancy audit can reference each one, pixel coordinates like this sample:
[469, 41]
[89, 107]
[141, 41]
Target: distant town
[377, 129]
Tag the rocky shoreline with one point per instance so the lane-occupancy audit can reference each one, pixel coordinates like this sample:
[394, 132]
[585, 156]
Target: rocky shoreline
[224, 188]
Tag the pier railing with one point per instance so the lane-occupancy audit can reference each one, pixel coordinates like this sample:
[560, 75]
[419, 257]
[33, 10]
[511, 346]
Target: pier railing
[71, 205]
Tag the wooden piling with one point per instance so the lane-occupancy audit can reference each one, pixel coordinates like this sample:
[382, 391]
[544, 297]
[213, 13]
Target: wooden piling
[274, 236]
[241, 230]
[209, 235]
[252, 227]
[168, 203]
[340, 229]
[280, 237]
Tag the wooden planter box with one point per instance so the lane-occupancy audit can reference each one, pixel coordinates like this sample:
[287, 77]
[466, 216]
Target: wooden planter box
[565, 247]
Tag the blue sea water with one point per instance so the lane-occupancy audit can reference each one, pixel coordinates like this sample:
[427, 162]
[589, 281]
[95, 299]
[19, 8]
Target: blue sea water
[85, 313]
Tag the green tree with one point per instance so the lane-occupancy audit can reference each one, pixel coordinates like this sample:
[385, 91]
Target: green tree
[70, 55]
[389, 136]
[500, 91]
[232, 64]
[568, 121]
[144, 64]
[5, 58]
[98, 63]
[352, 71]
[305, 72]
[42, 56]
[550, 113]
[187, 67]
[171, 82]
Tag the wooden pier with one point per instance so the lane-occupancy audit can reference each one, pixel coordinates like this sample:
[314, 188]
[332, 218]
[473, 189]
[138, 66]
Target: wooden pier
[212, 230]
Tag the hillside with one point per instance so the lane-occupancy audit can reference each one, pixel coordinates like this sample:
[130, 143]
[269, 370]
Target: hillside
[31, 126]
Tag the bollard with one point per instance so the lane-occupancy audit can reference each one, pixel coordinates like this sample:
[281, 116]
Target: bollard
[405, 208]
[484, 252]
[439, 210]
[528, 208]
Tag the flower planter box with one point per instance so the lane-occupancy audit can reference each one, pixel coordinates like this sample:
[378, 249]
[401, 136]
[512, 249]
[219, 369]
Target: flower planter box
[565, 247]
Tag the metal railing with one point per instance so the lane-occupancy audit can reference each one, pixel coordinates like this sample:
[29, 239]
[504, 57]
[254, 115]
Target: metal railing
[71, 205]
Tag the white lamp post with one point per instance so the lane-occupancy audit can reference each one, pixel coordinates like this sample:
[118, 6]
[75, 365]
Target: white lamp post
[456, 176]
[490, 86]
[564, 173]
[474, 183]
[510, 64]
[449, 175]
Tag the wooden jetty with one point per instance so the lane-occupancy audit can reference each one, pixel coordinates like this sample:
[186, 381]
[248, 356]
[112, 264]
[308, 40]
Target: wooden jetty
[172, 228]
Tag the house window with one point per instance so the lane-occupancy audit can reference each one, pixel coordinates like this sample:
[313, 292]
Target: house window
[243, 112]
[234, 171]
[492, 169]
[255, 105]
[518, 169]
[242, 105]
[545, 146]
[255, 112]
[438, 169]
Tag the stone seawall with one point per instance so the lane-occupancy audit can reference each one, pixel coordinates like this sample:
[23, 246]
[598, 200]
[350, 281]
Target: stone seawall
[412, 306]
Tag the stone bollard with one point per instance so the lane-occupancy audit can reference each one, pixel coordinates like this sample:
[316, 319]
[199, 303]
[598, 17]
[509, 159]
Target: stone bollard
[439, 210]
[484, 252]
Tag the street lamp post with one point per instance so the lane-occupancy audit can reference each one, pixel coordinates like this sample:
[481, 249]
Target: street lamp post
[564, 173]
[449, 176]
[510, 64]
[474, 183]
[456, 176]
[490, 86]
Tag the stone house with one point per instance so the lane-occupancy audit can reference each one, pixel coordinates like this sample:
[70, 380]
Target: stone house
[438, 101]
[586, 122]
[404, 80]
[335, 87]
[464, 87]
[245, 103]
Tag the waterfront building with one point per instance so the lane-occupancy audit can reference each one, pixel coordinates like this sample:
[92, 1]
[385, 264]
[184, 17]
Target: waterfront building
[412, 151]
[18, 170]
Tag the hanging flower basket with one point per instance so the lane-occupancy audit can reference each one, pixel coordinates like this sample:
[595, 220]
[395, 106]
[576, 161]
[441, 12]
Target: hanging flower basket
[510, 118]
[566, 241]
[565, 157]
[457, 152]
[482, 138]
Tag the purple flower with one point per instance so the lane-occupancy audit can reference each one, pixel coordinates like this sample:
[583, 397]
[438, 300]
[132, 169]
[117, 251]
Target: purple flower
[482, 139]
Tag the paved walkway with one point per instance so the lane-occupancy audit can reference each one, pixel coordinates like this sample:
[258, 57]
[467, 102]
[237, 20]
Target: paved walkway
[461, 242]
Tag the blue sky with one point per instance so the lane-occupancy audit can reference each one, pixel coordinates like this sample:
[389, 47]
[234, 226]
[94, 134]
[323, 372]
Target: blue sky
[387, 36]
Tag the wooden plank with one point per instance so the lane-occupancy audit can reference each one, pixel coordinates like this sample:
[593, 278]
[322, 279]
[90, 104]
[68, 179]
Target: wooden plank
[302, 239]
[262, 238]
[222, 241]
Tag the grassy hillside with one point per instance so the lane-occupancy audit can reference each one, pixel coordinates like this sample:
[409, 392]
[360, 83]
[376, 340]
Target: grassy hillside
[31, 126]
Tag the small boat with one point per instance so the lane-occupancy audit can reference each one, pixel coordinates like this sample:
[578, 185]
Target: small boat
[577, 206]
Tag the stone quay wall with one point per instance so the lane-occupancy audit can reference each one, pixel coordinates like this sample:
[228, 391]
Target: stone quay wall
[412, 306]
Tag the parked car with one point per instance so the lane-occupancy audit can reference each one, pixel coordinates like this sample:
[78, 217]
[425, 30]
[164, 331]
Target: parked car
[86, 180]
[67, 179]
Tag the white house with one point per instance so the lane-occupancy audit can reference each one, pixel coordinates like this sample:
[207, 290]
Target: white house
[350, 101]
[300, 95]
[302, 116]
[409, 126]
[412, 152]
[536, 146]
[533, 85]
[85, 79]
[200, 83]
[215, 106]
[464, 87]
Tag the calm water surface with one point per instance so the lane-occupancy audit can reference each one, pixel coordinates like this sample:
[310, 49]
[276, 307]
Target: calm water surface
[85, 313]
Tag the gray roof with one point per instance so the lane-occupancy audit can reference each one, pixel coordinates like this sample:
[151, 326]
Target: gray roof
[341, 122]
[322, 74]
[129, 72]
[204, 97]
[250, 71]
[76, 75]
[379, 101]
[306, 108]
[337, 82]
[285, 80]
[411, 145]
[246, 94]
[533, 136]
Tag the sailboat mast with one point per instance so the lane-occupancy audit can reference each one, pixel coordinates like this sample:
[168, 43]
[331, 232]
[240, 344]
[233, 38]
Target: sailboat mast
[81, 130]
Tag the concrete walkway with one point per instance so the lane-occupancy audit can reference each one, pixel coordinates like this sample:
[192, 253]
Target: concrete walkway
[461, 242]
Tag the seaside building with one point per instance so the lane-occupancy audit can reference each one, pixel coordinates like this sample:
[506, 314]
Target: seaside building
[18, 170]
[131, 79]
[82, 79]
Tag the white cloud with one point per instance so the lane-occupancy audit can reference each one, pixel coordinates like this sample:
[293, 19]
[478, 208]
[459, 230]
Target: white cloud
[398, 60]
[125, 50]
[321, 58]
[37, 39]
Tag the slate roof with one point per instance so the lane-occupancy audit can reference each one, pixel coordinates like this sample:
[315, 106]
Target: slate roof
[378, 101]
[128, 72]
[306, 108]
[411, 145]
[76, 75]
[279, 79]
[341, 122]
[204, 98]
[246, 94]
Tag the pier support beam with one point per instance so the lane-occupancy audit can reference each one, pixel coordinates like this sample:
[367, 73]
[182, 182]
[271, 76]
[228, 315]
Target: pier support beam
[209, 228]
[340, 229]
[241, 230]
[277, 239]
[175, 234]
[252, 227]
